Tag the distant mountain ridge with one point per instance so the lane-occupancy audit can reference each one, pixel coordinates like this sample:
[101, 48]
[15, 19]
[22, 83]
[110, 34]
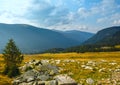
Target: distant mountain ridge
[76, 35]
[104, 40]
[105, 36]
[32, 39]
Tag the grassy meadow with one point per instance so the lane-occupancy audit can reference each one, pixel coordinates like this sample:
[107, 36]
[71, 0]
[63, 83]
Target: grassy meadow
[75, 68]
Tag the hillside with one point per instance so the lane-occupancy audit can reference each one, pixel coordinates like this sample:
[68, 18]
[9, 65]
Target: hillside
[111, 40]
[32, 39]
[105, 36]
[105, 40]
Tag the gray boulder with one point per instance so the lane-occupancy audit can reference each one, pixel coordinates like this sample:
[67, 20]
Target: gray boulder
[26, 77]
[65, 80]
[43, 77]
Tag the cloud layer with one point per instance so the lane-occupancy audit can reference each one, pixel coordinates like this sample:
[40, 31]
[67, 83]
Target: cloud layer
[82, 15]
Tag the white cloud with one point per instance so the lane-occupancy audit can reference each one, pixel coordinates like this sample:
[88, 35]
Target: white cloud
[15, 7]
[69, 26]
[61, 14]
[116, 22]
[83, 13]
[112, 19]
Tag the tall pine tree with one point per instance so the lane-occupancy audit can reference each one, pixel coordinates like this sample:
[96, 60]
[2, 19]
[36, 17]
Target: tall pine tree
[12, 58]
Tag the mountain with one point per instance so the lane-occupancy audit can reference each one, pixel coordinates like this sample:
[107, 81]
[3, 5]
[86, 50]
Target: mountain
[77, 35]
[104, 40]
[108, 36]
[111, 40]
[32, 39]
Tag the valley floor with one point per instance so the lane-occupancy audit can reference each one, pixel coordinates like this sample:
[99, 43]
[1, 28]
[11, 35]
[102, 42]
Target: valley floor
[93, 67]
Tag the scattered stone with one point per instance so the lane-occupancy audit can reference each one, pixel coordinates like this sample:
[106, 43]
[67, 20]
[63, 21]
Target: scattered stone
[44, 72]
[113, 63]
[57, 61]
[44, 62]
[102, 70]
[88, 67]
[65, 80]
[90, 81]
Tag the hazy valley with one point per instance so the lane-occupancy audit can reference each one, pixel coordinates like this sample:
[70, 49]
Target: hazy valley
[32, 39]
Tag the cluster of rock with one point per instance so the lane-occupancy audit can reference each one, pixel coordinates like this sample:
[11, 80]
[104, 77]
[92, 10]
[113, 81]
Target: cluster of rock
[41, 72]
[49, 72]
[110, 68]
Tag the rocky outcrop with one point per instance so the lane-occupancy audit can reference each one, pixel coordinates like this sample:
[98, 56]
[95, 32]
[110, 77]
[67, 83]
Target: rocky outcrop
[41, 72]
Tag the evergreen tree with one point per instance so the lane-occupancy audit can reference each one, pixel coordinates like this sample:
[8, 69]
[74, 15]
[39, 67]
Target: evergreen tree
[12, 58]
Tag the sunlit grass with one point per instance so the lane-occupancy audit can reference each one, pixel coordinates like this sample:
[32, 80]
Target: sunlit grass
[74, 67]
[80, 56]
[117, 46]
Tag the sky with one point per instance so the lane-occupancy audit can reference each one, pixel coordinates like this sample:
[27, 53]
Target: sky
[83, 15]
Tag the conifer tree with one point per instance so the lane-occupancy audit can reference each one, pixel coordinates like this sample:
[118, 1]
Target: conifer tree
[12, 58]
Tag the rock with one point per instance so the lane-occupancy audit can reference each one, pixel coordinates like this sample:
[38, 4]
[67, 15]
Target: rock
[23, 83]
[41, 82]
[83, 66]
[88, 68]
[37, 62]
[16, 82]
[51, 73]
[57, 61]
[44, 62]
[112, 63]
[28, 76]
[38, 67]
[53, 68]
[90, 81]
[30, 79]
[117, 70]
[35, 83]
[30, 83]
[115, 76]
[102, 70]
[65, 80]
[43, 77]
[42, 73]
[52, 82]
[26, 67]
[92, 63]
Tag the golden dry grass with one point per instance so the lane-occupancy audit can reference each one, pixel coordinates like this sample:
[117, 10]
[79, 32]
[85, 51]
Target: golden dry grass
[117, 46]
[79, 56]
[4, 80]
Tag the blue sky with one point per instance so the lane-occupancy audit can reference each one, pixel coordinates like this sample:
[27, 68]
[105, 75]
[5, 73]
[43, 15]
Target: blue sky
[83, 15]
